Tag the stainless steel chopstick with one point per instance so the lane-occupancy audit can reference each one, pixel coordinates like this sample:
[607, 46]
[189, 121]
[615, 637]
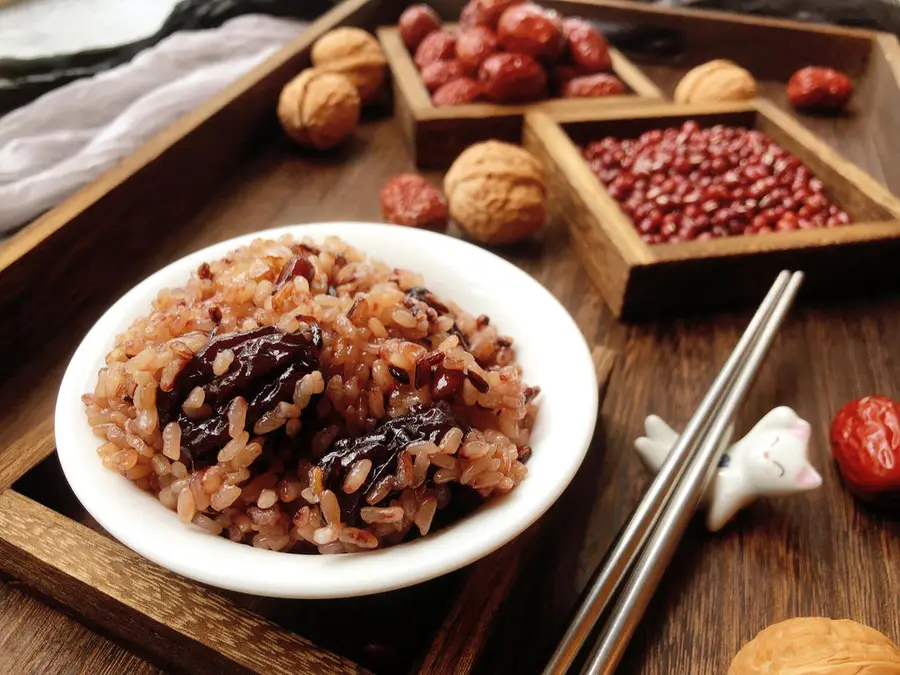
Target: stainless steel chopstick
[636, 531]
[674, 520]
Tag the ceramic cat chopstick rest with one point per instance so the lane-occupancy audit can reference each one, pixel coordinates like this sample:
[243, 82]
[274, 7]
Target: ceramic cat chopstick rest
[770, 461]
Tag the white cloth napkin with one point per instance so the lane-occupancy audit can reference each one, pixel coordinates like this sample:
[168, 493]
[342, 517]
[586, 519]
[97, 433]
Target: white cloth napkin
[63, 140]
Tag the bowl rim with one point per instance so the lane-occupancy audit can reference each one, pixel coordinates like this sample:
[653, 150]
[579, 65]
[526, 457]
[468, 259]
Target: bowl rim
[261, 572]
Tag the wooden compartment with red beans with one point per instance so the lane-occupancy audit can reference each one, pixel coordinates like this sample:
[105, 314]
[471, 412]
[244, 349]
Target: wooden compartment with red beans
[676, 208]
[457, 84]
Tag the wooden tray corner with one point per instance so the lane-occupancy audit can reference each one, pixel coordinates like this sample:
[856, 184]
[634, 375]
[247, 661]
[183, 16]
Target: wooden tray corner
[640, 281]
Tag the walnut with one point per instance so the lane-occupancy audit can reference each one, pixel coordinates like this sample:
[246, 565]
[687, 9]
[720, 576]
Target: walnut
[319, 109]
[716, 81]
[817, 646]
[356, 54]
[496, 193]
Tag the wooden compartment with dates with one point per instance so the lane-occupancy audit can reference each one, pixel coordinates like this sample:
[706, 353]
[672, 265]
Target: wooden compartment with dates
[648, 258]
[436, 134]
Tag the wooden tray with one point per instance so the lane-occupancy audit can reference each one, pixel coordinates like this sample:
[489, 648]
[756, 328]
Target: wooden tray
[224, 170]
[49, 542]
[638, 280]
[435, 136]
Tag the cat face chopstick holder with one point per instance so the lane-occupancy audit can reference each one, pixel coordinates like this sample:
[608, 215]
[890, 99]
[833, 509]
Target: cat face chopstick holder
[770, 461]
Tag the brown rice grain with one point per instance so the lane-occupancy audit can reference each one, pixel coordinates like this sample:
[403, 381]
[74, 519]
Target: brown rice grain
[390, 514]
[172, 441]
[186, 508]
[487, 479]
[235, 445]
[420, 469]
[445, 476]
[237, 416]
[325, 535]
[331, 510]
[425, 515]
[207, 524]
[246, 455]
[222, 362]
[358, 537]
[357, 475]
[381, 489]
[224, 497]
[267, 498]
[194, 400]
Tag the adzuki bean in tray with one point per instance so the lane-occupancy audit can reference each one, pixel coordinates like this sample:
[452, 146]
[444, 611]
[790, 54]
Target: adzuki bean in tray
[686, 183]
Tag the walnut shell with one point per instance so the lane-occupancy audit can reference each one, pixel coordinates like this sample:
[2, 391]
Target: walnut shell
[817, 646]
[355, 53]
[319, 109]
[496, 193]
[718, 80]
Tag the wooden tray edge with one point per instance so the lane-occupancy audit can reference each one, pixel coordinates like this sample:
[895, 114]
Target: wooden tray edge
[115, 588]
[117, 179]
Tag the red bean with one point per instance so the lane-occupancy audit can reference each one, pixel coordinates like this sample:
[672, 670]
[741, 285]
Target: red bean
[685, 183]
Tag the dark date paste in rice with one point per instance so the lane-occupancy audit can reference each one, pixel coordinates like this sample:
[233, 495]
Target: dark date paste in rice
[300, 397]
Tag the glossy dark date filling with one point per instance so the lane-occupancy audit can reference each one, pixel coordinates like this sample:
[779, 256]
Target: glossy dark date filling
[382, 447]
[266, 367]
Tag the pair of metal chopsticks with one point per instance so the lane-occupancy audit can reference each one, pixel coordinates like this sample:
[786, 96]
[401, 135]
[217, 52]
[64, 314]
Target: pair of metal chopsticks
[645, 546]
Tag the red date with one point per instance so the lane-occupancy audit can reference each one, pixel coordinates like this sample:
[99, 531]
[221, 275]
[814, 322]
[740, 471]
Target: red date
[437, 46]
[587, 48]
[416, 23]
[459, 92]
[485, 12]
[593, 86]
[819, 89]
[474, 45]
[865, 442]
[509, 78]
[410, 200]
[436, 75]
[532, 30]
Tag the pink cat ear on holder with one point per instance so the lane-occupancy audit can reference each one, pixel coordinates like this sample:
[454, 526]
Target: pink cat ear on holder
[808, 478]
[802, 430]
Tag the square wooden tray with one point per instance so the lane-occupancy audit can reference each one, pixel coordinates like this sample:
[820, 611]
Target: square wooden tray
[435, 136]
[638, 280]
[223, 170]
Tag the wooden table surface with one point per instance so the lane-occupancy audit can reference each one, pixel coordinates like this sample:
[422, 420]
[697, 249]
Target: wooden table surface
[817, 554]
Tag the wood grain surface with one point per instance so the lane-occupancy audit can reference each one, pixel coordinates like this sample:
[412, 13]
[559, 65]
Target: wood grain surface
[818, 554]
[134, 599]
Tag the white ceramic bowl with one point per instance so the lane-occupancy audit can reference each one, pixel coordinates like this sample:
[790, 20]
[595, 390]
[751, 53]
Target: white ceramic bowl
[549, 347]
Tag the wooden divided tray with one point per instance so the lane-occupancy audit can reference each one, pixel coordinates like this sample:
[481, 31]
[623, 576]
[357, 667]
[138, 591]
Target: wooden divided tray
[435, 136]
[226, 169]
[638, 280]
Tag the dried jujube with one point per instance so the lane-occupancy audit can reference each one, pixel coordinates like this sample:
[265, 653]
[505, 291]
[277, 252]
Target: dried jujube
[381, 447]
[267, 365]
[416, 22]
[408, 199]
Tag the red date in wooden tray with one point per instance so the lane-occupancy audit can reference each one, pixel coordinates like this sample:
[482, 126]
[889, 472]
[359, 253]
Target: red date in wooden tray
[660, 241]
[438, 127]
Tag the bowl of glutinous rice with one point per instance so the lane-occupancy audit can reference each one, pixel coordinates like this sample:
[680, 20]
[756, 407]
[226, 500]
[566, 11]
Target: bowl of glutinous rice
[326, 410]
